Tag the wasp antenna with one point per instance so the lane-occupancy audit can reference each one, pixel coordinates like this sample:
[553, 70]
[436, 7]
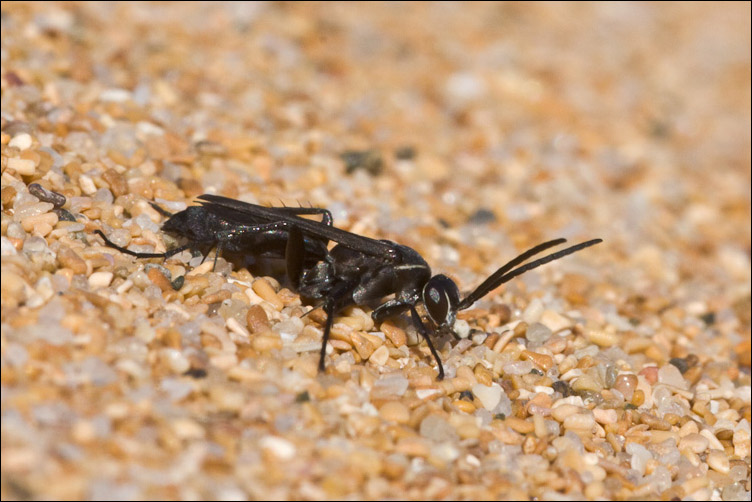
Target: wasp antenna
[505, 273]
[492, 281]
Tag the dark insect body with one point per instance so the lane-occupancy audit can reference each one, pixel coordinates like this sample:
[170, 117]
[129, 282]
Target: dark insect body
[356, 271]
[213, 226]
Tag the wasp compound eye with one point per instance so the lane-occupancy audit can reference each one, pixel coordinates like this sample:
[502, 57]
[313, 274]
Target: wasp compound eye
[441, 296]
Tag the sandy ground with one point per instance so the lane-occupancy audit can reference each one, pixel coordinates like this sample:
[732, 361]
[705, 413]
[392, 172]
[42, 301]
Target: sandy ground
[469, 132]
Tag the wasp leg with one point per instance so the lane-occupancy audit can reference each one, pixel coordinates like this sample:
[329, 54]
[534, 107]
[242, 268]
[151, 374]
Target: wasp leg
[396, 307]
[338, 298]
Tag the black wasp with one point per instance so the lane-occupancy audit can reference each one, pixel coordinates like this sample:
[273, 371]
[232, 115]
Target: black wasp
[357, 270]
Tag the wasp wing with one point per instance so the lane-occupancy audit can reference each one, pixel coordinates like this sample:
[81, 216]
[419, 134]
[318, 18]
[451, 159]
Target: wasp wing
[235, 211]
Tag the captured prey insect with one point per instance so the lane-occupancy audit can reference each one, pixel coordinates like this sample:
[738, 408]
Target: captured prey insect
[360, 270]
[357, 270]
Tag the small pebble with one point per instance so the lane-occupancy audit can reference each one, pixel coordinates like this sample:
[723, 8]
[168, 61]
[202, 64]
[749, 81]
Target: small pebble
[389, 386]
[488, 396]
[380, 356]
[602, 338]
[718, 461]
[70, 259]
[396, 335]
[518, 368]
[175, 360]
[279, 447]
[579, 421]
[640, 457]
[554, 321]
[671, 375]
[533, 312]
[538, 333]
[543, 361]
[560, 413]
[24, 167]
[395, 411]
[257, 320]
[626, 384]
[694, 442]
[262, 288]
[21, 141]
[586, 383]
[436, 428]
[605, 416]
[100, 279]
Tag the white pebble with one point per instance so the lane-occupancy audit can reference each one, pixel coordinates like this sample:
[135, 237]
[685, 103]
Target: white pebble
[426, 393]
[234, 326]
[390, 385]
[554, 321]
[6, 247]
[380, 356]
[694, 442]
[518, 368]
[718, 461]
[563, 411]
[100, 279]
[670, 375]
[542, 389]
[640, 457]
[24, 167]
[446, 452]
[713, 441]
[289, 329]
[115, 95]
[741, 440]
[87, 184]
[279, 447]
[21, 141]
[465, 86]
[538, 333]
[579, 421]
[176, 388]
[488, 396]
[604, 417]
[29, 211]
[175, 360]
[462, 328]
[533, 311]
[434, 427]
